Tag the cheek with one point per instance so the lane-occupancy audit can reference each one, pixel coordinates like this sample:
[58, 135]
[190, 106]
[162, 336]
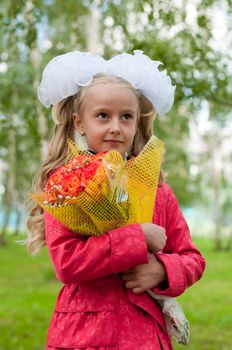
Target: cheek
[131, 132]
[135, 127]
[98, 129]
[95, 132]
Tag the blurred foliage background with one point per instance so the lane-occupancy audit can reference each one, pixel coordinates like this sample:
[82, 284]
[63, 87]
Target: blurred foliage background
[193, 39]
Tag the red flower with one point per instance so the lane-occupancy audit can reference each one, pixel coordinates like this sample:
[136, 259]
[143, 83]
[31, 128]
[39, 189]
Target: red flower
[72, 178]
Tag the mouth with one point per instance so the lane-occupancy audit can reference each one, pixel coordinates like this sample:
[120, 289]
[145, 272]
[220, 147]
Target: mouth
[113, 141]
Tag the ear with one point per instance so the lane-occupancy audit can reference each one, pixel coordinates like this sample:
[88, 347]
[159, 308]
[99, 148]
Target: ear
[77, 122]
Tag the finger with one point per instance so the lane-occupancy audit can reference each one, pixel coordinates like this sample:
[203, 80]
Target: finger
[128, 277]
[138, 290]
[135, 269]
[131, 284]
[153, 257]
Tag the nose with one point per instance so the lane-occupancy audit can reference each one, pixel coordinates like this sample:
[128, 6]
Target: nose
[115, 126]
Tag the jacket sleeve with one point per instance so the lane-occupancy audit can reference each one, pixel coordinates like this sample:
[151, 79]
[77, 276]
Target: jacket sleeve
[182, 260]
[77, 259]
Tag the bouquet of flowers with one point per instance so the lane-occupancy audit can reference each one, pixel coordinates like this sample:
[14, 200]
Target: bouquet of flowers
[94, 193]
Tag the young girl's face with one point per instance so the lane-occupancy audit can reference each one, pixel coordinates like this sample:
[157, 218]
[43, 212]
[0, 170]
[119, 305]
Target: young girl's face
[108, 118]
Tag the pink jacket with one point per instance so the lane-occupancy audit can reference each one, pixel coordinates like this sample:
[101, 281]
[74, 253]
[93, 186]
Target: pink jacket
[87, 312]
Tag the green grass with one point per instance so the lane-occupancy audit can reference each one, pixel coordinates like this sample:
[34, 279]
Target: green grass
[28, 292]
[208, 303]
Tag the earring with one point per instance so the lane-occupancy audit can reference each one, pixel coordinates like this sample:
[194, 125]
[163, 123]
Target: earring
[80, 141]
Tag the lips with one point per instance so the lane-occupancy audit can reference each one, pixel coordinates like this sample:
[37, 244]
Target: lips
[113, 141]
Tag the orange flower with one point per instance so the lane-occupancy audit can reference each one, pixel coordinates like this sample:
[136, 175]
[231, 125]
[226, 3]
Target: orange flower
[72, 178]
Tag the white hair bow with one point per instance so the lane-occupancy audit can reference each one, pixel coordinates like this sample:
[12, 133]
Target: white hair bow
[65, 74]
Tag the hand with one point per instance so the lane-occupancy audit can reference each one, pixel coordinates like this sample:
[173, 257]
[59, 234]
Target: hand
[155, 237]
[145, 277]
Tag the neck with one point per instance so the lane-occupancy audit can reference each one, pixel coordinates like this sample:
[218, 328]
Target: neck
[125, 157]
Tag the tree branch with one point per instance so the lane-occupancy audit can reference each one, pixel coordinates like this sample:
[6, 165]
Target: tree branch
[218, 100]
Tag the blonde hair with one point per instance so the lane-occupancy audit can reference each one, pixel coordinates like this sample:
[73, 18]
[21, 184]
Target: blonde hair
[58, 151]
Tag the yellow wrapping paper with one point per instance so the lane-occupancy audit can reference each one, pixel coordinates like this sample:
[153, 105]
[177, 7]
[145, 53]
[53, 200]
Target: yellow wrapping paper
[120, 193]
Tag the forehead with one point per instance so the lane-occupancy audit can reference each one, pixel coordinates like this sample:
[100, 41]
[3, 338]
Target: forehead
[110, 94]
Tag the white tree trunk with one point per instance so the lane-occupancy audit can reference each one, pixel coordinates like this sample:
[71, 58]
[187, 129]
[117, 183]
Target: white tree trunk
[42, 123]
[11, 194]
[36, 60]
[94, 42]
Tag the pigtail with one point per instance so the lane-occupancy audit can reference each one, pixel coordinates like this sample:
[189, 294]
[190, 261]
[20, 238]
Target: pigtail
[145, 130]
[58, 152]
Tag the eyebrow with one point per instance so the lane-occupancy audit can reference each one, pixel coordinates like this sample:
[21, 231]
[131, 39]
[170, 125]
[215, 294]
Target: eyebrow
[124, 110]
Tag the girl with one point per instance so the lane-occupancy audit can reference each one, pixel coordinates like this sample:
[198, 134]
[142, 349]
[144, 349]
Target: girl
[103, 304]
